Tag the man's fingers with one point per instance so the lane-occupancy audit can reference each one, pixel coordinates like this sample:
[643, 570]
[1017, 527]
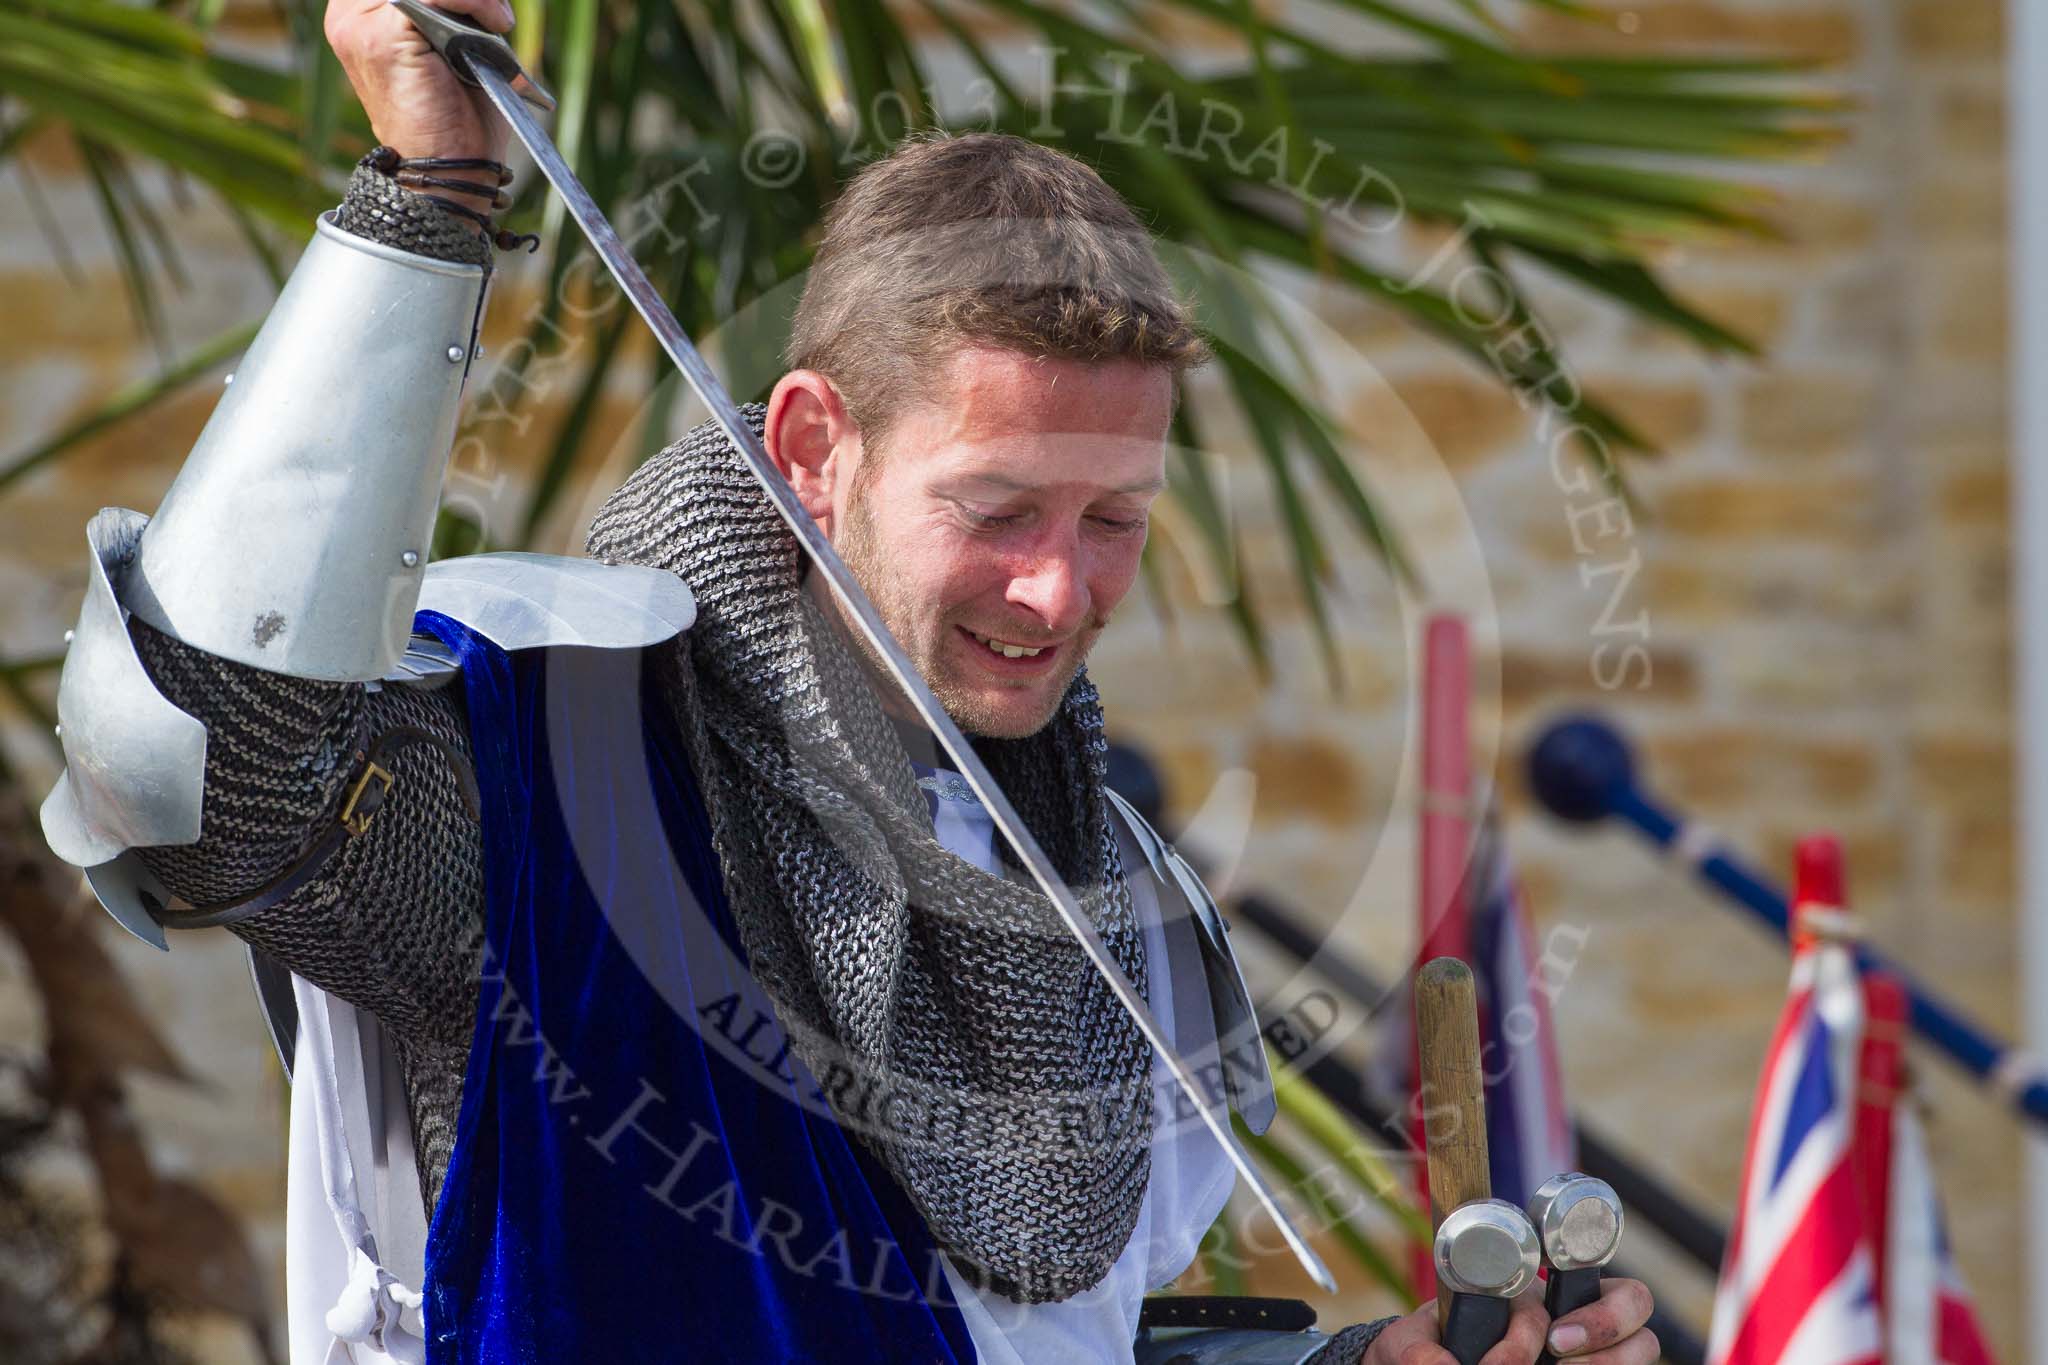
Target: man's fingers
[1526, 1327]
[495, 15]
[1411, 1341]
[1641, 1349]
[1623, 1308]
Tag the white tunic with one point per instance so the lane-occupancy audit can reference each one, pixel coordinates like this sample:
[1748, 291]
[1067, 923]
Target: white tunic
[1191, 1176]
[356, 1227]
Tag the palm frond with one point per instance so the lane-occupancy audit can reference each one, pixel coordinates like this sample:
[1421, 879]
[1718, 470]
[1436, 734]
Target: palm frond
[1578, 167]
[138, 397]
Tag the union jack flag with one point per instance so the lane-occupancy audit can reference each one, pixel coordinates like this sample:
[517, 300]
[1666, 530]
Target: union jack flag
[1929, 1318]
[1798, 1284]
[1529, 1135]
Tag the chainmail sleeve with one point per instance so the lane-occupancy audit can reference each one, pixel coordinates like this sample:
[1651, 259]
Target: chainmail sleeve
[1349, 1346]
[394, 922]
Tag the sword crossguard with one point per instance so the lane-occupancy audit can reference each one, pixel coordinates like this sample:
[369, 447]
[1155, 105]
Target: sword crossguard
[463, 44]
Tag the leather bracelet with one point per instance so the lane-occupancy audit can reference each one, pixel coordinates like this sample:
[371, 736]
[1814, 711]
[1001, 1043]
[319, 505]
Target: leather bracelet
[416, 173]
[416, 180]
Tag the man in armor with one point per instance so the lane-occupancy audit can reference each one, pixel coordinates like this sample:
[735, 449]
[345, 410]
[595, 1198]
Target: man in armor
[651, 987]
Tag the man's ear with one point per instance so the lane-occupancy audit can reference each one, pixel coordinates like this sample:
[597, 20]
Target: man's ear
[812, 439]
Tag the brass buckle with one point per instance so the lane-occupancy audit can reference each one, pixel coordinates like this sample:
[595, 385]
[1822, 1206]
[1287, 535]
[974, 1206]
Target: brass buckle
[357, 822]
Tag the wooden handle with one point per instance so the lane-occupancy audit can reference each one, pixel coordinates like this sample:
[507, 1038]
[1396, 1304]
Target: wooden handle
[1452, 1093]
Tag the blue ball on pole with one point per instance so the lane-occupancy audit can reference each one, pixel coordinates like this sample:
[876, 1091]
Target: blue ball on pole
[1580, 767]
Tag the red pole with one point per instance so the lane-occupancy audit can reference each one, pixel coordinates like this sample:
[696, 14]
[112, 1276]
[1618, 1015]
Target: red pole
[1880, 1090]
[1816, 881]
[1446, 788]
[1444, 834]
[1819, 887]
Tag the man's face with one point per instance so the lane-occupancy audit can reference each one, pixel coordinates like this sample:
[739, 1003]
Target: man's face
[1003, 523]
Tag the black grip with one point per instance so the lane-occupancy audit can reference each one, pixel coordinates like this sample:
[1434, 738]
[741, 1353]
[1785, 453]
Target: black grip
[1569, 1291]
[1476, 1324]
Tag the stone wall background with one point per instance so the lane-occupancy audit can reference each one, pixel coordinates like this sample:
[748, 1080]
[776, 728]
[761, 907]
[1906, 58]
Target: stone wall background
[1821, 572]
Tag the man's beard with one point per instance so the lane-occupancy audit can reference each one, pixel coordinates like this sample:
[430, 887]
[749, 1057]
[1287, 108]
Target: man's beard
[924, 641]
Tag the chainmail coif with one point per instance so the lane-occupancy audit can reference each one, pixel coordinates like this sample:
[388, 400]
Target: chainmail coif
[1020, 1119]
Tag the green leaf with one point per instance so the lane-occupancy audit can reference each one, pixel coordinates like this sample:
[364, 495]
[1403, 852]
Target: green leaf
[1270, 426]
[1195, 493]
[554, 474]
[102, 169]
[1297, 1177]
[1221, 1254]
[135, 398]
[575, 35]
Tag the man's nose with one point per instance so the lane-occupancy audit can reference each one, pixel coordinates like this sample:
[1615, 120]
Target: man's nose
[1054, 588]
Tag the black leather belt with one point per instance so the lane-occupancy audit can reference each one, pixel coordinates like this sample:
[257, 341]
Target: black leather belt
[366, 794]
[1225, 1310]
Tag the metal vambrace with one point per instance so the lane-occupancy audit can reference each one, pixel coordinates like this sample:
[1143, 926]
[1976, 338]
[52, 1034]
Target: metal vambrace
[294, 539]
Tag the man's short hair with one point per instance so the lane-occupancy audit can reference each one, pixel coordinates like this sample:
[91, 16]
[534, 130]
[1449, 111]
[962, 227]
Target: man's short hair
[979, 238]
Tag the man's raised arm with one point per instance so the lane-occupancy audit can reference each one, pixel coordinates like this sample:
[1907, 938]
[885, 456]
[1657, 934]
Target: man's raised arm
[227, 741]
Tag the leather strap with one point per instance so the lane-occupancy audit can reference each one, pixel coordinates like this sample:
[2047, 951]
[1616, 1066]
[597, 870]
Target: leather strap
[366, 795]
[411, 172]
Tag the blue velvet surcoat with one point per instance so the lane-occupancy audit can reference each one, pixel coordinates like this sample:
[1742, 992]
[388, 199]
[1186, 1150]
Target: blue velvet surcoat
[641, 1171]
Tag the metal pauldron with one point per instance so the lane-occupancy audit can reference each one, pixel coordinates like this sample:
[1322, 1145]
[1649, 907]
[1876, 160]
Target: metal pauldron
[135, 765]
[295, 537]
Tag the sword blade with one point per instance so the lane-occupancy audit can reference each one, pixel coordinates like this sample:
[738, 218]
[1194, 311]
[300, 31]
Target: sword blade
[604, 240]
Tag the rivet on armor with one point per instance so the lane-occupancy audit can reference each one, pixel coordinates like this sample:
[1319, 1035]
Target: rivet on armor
[410, 559]
[57, 730]
[69, 636]
[476, 352]
[454, 355]
[229, 379]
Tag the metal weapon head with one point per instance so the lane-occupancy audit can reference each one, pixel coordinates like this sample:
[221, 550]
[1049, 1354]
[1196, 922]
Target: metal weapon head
[461, 43]
[1579, 1220]
[1487, 1247]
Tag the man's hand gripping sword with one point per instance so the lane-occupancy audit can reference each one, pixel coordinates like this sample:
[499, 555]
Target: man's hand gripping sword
[486, 60]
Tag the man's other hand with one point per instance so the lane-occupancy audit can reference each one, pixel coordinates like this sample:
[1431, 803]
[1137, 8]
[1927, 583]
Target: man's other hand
[1610, 1332]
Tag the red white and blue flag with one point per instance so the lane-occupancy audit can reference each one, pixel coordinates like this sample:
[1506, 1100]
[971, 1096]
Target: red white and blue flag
[1528, 1129]
[1929, 1318]
[1798, 1284]
[1928, 1312]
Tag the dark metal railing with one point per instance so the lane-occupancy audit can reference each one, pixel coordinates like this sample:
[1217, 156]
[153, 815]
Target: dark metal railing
[1582, 770]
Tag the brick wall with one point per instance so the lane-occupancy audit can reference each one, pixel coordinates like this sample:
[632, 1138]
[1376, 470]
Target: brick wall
[1820, 580]
[1821, 567]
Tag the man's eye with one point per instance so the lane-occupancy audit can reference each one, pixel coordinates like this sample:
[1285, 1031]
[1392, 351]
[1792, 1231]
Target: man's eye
[987, 521]
[1121, 525]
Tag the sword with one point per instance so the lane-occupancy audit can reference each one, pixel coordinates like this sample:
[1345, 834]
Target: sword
[485, 60]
